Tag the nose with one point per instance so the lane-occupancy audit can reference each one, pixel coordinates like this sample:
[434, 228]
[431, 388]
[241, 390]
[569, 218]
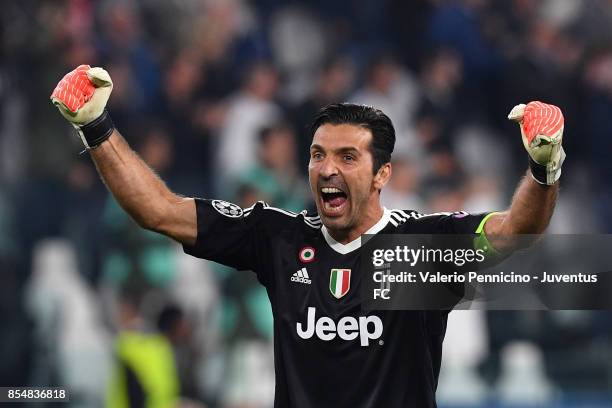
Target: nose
[328, 168]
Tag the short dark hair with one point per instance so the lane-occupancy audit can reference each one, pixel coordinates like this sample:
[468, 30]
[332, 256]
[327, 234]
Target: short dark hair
[383, 133]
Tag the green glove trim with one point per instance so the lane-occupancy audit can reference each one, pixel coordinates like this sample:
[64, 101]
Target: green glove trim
[482, 242]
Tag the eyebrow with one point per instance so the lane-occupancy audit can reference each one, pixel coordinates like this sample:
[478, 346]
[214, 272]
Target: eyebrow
[346, 149]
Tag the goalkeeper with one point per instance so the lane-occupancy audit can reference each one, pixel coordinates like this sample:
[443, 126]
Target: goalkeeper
[327, 352]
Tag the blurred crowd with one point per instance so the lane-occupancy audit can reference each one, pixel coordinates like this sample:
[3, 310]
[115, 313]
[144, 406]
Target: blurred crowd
[216, 96]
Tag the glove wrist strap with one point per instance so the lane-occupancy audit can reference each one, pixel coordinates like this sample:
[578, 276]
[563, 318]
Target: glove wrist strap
[97, 131]
[538, 171]
[545, 174]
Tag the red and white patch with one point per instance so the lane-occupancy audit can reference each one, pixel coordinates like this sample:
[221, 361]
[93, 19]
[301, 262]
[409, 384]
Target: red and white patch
[307, 254]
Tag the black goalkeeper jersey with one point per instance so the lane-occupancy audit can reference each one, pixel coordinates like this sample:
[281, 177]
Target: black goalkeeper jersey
[327, 352]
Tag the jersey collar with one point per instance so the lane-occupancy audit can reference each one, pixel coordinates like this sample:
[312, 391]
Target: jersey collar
[355, 244]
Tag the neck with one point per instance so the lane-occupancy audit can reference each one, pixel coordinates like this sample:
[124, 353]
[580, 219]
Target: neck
[344, 236]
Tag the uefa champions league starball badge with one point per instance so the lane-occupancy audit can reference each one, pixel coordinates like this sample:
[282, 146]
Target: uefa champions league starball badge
[228, 209]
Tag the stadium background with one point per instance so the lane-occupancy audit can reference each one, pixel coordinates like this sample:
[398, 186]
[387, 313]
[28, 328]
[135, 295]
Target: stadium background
[216, 95]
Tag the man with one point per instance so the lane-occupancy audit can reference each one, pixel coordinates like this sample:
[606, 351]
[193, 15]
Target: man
[327, 353]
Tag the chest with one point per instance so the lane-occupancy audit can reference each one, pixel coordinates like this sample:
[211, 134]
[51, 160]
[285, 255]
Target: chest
[311, 274]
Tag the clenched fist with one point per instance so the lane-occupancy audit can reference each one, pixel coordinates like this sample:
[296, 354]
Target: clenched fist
[81, 97]
[542, 131]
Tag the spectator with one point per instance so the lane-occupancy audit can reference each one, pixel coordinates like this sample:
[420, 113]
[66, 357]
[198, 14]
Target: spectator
[333, 84]
[251, 108]
[402, 190]
[390, 88]
[275, 175]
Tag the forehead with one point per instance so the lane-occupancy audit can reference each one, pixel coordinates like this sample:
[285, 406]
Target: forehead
[332, 137]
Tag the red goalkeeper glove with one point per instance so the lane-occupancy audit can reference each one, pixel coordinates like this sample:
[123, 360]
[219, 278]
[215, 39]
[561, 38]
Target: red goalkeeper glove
[81, 98]
[542, 130]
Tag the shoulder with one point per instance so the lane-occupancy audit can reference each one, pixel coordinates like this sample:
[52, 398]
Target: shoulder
[398, 216]
[279, 217]
[410, 221]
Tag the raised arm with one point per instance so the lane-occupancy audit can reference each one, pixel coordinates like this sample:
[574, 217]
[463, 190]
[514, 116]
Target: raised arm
[142, 194]
[530, 212]
[534, 199]
[81, 97]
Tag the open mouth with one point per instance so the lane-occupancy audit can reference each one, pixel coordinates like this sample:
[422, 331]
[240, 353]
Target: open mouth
[333, 199]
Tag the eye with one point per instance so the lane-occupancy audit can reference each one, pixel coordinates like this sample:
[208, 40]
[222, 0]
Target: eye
[316, 155]
[348, 158]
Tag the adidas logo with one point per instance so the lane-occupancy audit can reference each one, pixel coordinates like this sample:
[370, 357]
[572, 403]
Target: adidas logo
[301, 276]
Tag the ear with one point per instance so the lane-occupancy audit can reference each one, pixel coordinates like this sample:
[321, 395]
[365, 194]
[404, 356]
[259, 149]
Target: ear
[382, 176]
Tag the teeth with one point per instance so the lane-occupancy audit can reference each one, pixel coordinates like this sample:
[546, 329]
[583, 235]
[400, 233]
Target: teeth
[330, 190]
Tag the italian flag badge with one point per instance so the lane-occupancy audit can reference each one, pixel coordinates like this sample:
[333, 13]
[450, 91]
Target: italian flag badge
[339, 282]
